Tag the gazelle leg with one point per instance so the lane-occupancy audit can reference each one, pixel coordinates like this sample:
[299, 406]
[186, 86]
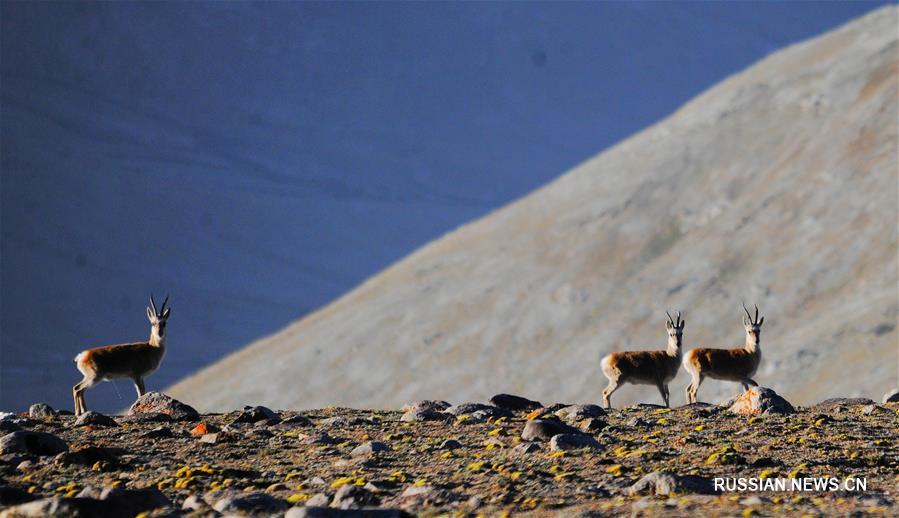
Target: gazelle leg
[693, 389]
[608, 391]
[76, 395]
[139, 385]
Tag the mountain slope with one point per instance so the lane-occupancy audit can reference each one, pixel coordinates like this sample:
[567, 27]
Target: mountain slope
[778, 187]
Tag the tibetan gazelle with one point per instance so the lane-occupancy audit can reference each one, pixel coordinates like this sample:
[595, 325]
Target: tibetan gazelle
[645, 367]
[134, 361]
[727, 364]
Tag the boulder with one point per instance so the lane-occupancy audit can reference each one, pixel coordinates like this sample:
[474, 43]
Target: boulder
[471, 408]
[891, 397]
[34, 443]
[761, 400]
[91, 418]
[159, 403]
[573, 441]
[544, 430]
[592, 424]
[842, 401]
[353, 497]
[426, 404]
[258, 413]
[424, 414]
[659, 483]
[367, 448]
[514, 403]
[249, 503]
[40, 411]
[578, 413]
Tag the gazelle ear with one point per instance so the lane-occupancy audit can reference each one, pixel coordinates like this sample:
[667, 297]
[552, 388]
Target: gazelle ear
[682, 324]
[761, 320]
[165, 313]
[668, 325]
[150, 314]
[746, 322]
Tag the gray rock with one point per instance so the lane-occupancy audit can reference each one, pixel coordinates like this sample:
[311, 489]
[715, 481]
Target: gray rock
[891, 397]
[353, 497]
[40, 411]
[159, 403]
[578, 413]
[60, 507]
[318, 500]
[367, 448]
[423, 414]
[568, 441]
[91, 418]
[255, 503]
[514, 403]
[35, 443]
[426, 404]
[592, 424]
[327, 512]
[297, 420]
[544, 430]
[195, 503]
[418, 496]
[450, 444]
[842, 401]
[255, 414]
[637, 422]
[210, 438]
[471, 408]
[159, 432]
[316, 438]
[660, 483]
[525, 448]
[761, 400]
[131, 502]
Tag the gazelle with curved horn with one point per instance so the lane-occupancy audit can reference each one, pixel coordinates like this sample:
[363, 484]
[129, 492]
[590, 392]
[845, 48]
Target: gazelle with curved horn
[737, 364]
[645, 367]
[134, 361]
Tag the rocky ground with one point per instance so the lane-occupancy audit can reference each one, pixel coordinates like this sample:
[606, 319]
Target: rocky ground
[512, 456]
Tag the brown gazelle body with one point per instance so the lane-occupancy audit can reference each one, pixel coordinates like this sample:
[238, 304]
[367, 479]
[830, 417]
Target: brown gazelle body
[737, 364]
[133, 361]
[645, 367]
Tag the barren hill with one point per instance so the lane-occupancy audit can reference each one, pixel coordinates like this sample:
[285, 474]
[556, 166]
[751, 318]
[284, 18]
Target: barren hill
[777, 187]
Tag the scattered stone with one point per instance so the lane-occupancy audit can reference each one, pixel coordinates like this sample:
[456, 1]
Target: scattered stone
[592, 424]
[353, 497]
[297, 420]
[326, 512]
[450, 444]
[423, 414]
[159, 433]
[204, 428]
[91, 418]
[761, 400]
[417, 496]
[35, 443]
[370, 447]
[131, 502]
[316, 438]
[58, 506]
[40, 411]
[277, 486]
[426, 404]
[195, 503]
[891, 397]
[25, 465]
[525, 448]
[250, 503]
[256, 414]
[544, 430]
[578, 413]
[149, 417]
[662, 484]
[470, 408]
[637, 422]
[159, 403]
[211, 438]
[514, 403]
[14, 496]
[87, 456]
[318, 500]
[842, 401]
[568, 441]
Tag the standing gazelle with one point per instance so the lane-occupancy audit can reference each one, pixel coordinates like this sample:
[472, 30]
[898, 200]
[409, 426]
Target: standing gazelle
[645, 367]
[727, 364]
[134, 361]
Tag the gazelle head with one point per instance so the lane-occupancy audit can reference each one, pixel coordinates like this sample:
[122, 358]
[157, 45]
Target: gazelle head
[157, 320]
[675, 331]
[753, 326]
